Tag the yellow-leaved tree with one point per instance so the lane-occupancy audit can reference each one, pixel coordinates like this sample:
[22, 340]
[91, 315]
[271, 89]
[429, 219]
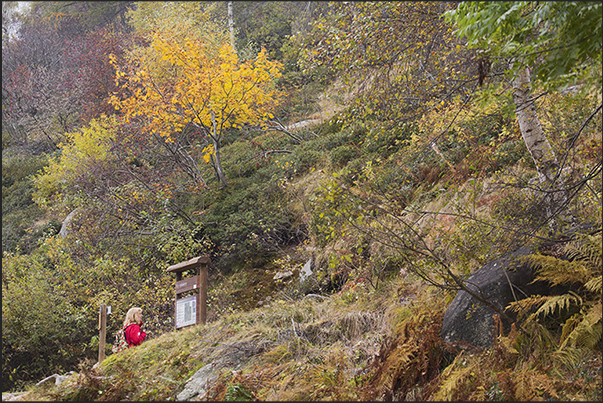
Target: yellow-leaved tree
[182, 81]
[83, 150]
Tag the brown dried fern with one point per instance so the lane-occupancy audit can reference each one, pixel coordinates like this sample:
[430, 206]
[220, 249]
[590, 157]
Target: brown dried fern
[409, 358]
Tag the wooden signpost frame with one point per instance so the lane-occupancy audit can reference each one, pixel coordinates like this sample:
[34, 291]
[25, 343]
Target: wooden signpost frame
[197, 266]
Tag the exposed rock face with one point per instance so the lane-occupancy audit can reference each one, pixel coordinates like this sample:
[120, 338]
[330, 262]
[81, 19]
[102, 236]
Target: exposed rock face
[198, 385]
[306, 271]
[231, 357]
[468, 323]
[65, 225]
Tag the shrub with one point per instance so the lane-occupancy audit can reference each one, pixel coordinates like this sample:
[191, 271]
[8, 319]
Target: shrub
[386, 141]
[41, 330]
[341, 155]
[509, 154]
[306, 158]
[20, 167]
[17, 196]
[249, 218]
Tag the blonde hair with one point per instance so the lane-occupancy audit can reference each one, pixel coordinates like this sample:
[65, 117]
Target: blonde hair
[134, 315]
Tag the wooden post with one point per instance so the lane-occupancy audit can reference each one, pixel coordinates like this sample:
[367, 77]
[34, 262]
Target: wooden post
[178, 278]
[202, 298]
[102, 326]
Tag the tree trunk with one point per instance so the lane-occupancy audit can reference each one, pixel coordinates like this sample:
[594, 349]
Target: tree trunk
[231, 26]
[218, 165]
[217, 161]
[539, 147]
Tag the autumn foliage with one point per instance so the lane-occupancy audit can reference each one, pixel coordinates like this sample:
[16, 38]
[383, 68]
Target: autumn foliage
[364, 140]
[184, 84]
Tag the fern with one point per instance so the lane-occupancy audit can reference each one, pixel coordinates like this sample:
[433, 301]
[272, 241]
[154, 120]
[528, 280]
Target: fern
[594, 285]
[410, 358]
[569, 326]
[569, 358]
[558, 271]
[587, 332]
[558, 302]
[452, 381]
[589, 250]
[583, 328]
[532, 385]
[527, 304]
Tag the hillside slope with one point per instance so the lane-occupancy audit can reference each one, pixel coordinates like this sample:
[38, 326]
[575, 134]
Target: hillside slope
[375, 338]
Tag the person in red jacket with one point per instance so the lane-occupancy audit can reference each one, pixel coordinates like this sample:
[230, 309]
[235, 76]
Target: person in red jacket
[133, 327]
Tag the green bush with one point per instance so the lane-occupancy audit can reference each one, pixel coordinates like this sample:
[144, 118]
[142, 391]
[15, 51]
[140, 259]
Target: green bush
[510, 153]
[386, 141]
[18, 209]
[20, 167]
[19, 230]
[249, 218]
[329, 141]
[352, 173]
[341, 155]
[305, 159]
[17, 196]
[42, 332]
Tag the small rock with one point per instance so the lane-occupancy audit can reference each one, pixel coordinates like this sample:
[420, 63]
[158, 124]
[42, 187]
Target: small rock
[306, 271]
[282, 275]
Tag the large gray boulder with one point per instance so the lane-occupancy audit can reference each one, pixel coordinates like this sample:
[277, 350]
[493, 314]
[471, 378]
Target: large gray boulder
[469, 324]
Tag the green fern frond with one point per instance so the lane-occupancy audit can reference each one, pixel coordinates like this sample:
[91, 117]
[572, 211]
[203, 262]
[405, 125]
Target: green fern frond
[588, 249]
[594, 285]
[587, 333]
[583, 336]
[569, 357]
[557, 271]
[560, 302]
[583, 329]
[590, 338]
[585, 257]
[569, 325]
[527, 304]
[595, 313]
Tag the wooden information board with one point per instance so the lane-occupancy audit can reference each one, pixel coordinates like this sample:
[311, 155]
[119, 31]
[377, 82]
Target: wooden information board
[192, 309]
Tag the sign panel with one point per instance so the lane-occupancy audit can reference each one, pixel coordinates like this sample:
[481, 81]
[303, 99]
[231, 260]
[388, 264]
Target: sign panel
[186, 311]
[186, 284]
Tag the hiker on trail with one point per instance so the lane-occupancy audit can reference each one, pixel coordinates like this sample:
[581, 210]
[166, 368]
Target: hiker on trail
[133, 327]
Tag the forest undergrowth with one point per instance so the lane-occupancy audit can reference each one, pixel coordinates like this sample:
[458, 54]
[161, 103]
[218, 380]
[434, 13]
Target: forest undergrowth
[136, 137]
[376, 336]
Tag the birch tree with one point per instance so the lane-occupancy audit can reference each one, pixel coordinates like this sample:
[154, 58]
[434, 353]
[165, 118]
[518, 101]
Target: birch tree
[231, 28]
[557, 43]
[399, 57]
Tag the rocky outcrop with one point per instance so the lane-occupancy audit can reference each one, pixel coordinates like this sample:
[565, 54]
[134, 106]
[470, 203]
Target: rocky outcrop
[469, 324]
[65, 225]
[232, 357]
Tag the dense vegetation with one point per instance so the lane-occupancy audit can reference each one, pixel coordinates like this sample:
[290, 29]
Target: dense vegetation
[162, 137]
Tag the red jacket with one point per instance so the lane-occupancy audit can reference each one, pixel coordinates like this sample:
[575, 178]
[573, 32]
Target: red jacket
[134, 335]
